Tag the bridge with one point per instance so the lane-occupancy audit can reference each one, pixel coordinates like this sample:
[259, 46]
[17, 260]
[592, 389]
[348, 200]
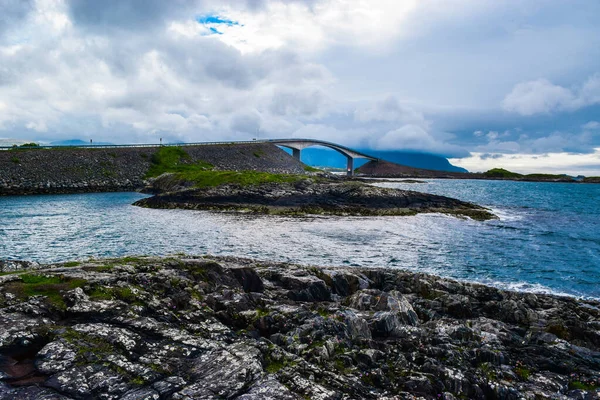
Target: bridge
[296, 145]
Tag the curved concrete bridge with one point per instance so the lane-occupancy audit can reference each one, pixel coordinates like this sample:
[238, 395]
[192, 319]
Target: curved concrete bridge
[296, 145]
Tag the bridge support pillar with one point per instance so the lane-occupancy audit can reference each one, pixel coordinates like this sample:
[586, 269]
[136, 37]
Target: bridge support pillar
[296, 154]
[350, 166]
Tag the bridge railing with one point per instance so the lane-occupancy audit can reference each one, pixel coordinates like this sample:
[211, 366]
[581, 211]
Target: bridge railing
[113, 146]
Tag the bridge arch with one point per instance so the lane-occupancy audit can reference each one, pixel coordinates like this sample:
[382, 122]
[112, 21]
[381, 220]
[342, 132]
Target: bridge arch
[296, 145]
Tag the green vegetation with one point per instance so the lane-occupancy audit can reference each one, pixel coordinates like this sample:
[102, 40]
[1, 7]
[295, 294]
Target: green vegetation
[174, 159]
[50, 286]
[71, 264]
[591, 179]
[203, 178]
[308, 168]
[15, 160]
[125, 294]
[522, 371]
[25, 146]
[502, 173]
[578, 385]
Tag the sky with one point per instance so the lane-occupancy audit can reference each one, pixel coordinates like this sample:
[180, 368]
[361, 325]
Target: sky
[486, 83]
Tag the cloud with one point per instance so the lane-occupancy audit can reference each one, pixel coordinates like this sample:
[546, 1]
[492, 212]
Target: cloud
[551, 163]
[592, 125]
[13, 12]
[411, 74]
[413, 137]
[541, 96]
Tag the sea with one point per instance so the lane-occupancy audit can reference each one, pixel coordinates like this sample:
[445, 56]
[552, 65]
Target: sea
[546, 240]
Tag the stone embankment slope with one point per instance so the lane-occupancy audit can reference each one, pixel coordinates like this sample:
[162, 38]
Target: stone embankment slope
[73, 170]
[228, 328]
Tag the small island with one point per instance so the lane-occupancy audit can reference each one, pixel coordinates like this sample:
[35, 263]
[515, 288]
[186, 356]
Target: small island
[178, 183]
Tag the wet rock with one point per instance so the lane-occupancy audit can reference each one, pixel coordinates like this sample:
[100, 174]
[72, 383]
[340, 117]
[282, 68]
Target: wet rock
[223, 373]
[55, 357]
[249, 279]
[204, 327]
[269, 389]
[141, 394]
[306, 288]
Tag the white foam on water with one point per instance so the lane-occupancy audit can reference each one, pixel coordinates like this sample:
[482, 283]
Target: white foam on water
[506, 215]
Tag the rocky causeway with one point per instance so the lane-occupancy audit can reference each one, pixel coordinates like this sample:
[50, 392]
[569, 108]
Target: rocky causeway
[205, 327]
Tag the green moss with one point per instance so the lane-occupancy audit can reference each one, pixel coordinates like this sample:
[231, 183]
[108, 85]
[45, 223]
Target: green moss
[100, 293]
[308, 168]
[559, 330]
[523, 372]
[578, 385]
[50, 286]
[174, 159]
[261, 312]
[71, 264]
[274, 367]
[125, 294]
[206, 178]
[138, 380]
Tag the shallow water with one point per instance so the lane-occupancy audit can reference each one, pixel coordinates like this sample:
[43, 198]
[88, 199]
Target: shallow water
[547, 240]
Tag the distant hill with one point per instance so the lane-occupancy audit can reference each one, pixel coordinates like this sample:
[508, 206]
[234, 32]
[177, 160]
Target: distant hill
[77, 142]
[330, 158]
[384, 169]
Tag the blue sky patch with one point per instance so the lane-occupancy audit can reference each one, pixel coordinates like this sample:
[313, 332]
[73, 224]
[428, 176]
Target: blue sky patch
[212, 22]
[216, 20]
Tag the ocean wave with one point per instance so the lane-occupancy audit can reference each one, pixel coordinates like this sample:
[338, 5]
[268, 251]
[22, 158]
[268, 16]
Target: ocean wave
[506, 214]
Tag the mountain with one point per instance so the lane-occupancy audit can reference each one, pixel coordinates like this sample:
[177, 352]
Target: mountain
[77, 142]
[331, 158]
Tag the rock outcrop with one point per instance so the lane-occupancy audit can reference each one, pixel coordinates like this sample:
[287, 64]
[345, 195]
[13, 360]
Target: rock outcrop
[214, 328]
[309, 195]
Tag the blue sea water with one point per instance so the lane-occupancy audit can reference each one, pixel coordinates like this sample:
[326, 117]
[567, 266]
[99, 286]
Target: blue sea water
[546, 240]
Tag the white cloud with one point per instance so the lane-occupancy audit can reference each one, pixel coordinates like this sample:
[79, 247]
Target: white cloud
[592, 125]
[550, 163]
[313, 26]
[542, 96]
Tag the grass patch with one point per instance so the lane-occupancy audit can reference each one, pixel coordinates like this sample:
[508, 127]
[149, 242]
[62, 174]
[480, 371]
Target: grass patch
[71, 264]
[174, 159]
[205, 178]
[578, 385]
[50, 286]
[15, 160]
[125, 294]
[308, 168]
[274, 367]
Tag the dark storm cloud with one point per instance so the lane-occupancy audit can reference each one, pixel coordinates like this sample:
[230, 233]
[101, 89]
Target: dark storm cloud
[12, 12]
[128, 14]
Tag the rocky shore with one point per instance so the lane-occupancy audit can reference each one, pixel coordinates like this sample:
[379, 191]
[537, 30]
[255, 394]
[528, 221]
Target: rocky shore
[305, 195]
[228, 328]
